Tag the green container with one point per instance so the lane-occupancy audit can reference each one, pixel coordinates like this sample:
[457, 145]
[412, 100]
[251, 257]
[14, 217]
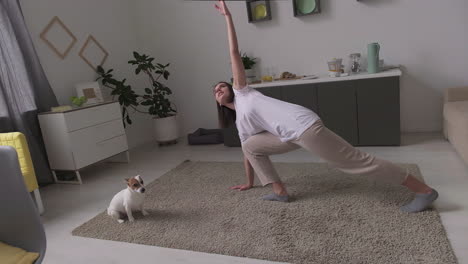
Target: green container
[373, 50]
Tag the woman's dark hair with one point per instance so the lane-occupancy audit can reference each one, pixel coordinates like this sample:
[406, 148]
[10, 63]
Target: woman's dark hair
[226, 116]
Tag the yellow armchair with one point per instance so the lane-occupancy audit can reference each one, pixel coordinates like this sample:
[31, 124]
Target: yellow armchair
[18, 141]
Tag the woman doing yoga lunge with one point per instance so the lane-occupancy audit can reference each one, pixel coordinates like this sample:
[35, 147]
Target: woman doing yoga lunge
[269, 126]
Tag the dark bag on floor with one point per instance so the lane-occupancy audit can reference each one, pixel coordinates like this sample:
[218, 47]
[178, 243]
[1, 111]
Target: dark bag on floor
[206, 136]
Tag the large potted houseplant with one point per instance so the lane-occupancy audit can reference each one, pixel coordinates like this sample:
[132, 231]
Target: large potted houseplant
[249, 63]
[154, 99]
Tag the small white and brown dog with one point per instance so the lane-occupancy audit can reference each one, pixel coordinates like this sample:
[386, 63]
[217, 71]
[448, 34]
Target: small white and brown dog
[128, 200]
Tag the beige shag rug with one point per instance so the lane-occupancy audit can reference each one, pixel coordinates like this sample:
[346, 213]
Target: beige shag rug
[334, 218]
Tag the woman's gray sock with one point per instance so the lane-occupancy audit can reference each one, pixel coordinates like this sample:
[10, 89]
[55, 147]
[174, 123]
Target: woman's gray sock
[420, 202]
[276, 197]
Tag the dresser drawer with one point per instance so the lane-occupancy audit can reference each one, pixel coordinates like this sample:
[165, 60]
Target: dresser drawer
[97, 142]
[107, 130]
[95, 134]
[112, 146]
[92, 116]
[88, 154]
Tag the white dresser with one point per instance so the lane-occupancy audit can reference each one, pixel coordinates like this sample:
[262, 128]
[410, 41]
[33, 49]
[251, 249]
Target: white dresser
[80, 137]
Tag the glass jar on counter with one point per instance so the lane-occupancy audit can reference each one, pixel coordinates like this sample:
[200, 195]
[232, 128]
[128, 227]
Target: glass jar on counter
[355, 63]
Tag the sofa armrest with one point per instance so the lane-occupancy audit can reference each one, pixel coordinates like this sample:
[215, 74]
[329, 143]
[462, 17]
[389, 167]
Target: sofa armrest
[456, 94]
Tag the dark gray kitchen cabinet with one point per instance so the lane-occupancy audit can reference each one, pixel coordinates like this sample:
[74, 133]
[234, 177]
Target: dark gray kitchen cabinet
[303, 94]
[378, 111]
[337, 108]
[364, 112]
[231, 136]
[274, 92]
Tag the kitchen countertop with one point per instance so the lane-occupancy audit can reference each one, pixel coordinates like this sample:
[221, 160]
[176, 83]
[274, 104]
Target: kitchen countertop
[326, 78]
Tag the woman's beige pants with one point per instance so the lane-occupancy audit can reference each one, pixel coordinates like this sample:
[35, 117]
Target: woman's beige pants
[327, 145]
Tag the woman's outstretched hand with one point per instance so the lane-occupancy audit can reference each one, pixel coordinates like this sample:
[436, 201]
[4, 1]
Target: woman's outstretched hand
[241, 187]
[222, 8]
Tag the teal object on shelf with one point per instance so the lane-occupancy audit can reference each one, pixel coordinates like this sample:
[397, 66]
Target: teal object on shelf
[373, 50]
[306, 6]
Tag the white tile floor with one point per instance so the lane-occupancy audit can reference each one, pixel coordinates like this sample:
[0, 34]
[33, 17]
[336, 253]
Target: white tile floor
[68, 206]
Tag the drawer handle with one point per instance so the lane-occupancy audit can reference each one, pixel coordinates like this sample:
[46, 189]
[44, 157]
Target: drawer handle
[104, 141]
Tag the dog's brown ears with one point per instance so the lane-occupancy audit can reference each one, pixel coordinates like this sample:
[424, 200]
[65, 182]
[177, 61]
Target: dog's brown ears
[126, 180]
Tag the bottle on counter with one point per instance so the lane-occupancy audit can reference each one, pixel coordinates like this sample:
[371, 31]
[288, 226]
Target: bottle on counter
[355, 63]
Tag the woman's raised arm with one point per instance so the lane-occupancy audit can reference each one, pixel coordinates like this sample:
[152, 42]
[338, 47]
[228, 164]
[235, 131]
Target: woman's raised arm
[238, 71]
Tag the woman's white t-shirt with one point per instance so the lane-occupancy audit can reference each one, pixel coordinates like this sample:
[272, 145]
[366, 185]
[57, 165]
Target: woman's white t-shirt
[256, 113]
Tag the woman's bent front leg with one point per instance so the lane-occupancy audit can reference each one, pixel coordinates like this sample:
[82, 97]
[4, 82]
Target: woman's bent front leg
[257, 149]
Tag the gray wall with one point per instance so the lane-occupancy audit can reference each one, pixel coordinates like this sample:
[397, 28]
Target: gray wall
[111, 22]
[428, 37]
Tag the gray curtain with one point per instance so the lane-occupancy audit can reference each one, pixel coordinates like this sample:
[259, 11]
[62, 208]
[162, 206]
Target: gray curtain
[24, 88]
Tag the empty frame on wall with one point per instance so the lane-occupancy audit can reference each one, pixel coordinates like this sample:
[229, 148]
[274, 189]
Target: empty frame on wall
[93, 53]
[58, 37]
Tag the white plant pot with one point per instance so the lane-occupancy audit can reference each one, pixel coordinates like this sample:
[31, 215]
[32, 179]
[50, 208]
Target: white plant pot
[250, 75]
[165, 129]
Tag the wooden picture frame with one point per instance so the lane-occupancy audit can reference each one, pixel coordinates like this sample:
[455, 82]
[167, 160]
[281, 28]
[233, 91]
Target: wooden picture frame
[88, 45]
[252, 6]
[298, 13]
[62, 53]
[90, 90]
